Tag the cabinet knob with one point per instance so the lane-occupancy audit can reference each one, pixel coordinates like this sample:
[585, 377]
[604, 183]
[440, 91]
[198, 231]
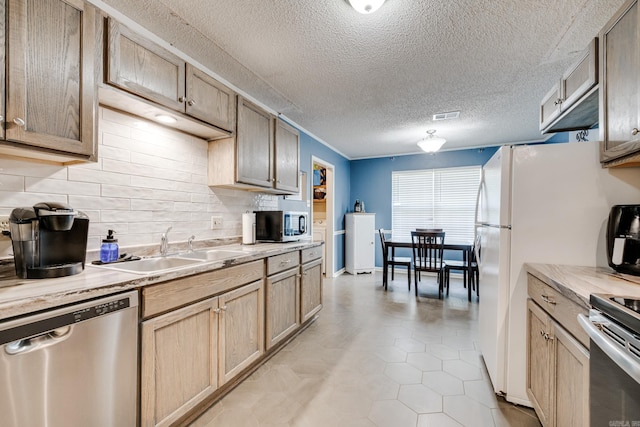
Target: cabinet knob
[191, 102]
[558, 101]
[182, 99]
[216, 310]
[223, 308]
[635, 131]
[20, 122]
[548, 300]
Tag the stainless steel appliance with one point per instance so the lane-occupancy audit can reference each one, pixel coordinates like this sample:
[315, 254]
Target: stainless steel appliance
[613, 326]
[49, 240]
[623, 239]
[71, 367]
[281, 226]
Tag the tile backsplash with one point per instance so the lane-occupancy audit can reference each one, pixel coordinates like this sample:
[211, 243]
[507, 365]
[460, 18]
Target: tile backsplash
[147, 178]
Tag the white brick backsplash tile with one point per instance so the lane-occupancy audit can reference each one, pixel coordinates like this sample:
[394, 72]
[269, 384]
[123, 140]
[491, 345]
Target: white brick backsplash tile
[97, 203]
[144, 181]
[11, 182]
[98, 176]
[11, 199]
[115, 152]
[57, 186]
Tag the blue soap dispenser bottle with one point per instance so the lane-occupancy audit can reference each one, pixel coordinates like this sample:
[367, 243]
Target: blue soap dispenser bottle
[109, 248]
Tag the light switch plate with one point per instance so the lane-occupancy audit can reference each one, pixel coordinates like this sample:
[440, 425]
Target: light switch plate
[4, 225]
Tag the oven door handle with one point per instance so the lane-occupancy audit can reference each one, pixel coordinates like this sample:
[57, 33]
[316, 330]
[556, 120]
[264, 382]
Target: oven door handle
[612, 349]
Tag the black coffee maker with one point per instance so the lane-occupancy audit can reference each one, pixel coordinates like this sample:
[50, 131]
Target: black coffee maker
[49, 240]
[623, 239]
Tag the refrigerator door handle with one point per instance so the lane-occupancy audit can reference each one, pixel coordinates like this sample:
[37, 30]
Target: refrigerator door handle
[482, 184]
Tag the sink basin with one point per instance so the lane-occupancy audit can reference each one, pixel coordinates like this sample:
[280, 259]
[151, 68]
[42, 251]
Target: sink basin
[151, 265]
[213, 254]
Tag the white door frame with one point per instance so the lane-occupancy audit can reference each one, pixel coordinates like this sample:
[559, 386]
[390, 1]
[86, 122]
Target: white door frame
[330, 197]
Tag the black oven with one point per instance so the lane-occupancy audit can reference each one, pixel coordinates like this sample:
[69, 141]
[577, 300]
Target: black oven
[614, 363]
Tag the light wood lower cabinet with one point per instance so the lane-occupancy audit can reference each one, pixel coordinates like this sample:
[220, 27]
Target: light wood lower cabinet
[558, 371]
[188, 353]
[282, 305]
[241, 329]
[179, 364]
[311, 289]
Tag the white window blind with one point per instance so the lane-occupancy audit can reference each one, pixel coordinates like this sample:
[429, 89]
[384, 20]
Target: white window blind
[435, 198]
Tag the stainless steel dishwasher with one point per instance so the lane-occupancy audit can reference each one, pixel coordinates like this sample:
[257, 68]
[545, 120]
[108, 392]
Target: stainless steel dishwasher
[74, 366]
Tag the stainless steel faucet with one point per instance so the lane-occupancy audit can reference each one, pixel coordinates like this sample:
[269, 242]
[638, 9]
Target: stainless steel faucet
[164, 242]
[190, 242]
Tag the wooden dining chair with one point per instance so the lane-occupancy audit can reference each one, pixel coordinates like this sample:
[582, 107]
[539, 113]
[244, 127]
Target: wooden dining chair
[428, 252]
[470, 273]
[389, 260]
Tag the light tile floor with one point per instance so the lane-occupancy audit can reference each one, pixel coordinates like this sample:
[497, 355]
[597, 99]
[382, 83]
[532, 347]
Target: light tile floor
[375, 358]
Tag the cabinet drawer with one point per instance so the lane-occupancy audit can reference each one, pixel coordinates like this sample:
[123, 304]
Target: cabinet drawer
[310, 254]
[282, 262]
[169, 295]
[563, 310]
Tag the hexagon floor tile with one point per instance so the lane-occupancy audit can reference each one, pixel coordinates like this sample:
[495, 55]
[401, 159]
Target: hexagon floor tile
[375, 358]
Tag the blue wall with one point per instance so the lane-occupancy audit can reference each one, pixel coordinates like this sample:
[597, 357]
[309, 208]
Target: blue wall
[371, 179]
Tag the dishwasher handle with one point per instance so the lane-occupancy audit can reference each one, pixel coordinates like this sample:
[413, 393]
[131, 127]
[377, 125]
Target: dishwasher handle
[38, 342]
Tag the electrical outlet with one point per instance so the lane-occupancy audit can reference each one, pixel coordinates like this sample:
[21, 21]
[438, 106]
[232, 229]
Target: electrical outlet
[4, 225]
[216, 222]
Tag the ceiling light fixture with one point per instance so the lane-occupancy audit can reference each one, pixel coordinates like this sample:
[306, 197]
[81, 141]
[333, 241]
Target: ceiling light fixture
[366, 6]
[431, 143]
[164, 118]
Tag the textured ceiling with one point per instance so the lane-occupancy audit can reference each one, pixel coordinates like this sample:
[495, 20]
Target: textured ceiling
[368, 85]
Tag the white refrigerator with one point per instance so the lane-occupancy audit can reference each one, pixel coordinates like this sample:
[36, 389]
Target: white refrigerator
[539, 204]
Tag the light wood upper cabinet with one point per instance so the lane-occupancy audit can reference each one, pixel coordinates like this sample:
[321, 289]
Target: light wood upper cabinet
[620, 88]
[51, 98]
[264, 155]
[572, 103]
[254, 145]
[209, 100]
[141, 67]
[287, 157]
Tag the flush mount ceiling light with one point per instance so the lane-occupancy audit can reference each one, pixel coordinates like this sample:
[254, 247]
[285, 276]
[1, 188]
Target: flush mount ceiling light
[431, 143]
[164, 118]
[366, 6]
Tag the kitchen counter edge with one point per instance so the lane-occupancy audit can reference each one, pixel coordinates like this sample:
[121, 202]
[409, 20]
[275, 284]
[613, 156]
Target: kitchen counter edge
[577, 283]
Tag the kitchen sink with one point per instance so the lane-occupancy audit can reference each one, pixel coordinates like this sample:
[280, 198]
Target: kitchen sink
[151, 265]
[213, 254]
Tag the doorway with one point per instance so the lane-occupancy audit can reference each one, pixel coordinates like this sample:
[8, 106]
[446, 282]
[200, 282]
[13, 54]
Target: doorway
[322, 212]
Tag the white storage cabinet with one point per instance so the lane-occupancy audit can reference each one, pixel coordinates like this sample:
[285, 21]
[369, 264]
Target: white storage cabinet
[360, 242]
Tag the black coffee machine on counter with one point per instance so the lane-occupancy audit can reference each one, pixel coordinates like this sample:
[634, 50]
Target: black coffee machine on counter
[49, 240]
[623, 239]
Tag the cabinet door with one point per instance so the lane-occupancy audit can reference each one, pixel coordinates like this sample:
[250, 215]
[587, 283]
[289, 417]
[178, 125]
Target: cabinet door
[539, 367]
[311, 290]
[619, 86]
[550, 106]
[287, 157]
[51, 90]
[241, 329]
[581, 77]
[139, 66]
[210, 100]
[282, 306]
[571, 380]
[178, 362]
[3, 19]
[254, 145]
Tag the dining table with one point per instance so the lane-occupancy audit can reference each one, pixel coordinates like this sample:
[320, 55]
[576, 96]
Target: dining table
[465, 248]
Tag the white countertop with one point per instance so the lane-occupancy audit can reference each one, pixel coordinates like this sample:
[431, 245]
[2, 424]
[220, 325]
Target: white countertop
[23, 296]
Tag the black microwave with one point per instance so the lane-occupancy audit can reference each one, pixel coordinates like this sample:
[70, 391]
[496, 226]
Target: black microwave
[281, 226]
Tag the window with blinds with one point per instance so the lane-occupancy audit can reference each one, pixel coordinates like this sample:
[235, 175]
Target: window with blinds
[435, 198]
